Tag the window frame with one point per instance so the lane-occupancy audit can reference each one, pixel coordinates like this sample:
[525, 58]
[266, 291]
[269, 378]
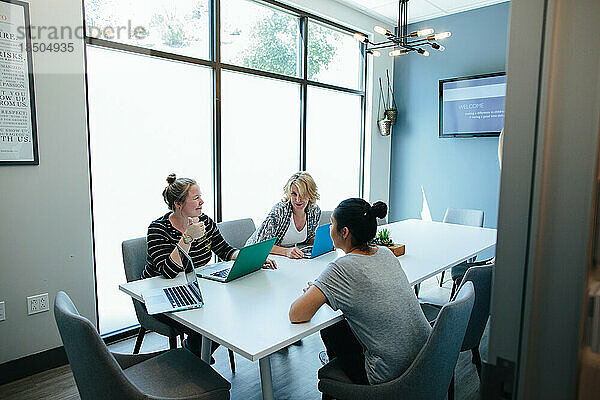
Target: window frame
[214, 62]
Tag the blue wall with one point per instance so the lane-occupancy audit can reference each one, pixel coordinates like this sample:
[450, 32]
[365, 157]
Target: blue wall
[457, 173]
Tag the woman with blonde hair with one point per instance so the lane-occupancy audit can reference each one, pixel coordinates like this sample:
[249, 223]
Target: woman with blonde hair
[294, 219]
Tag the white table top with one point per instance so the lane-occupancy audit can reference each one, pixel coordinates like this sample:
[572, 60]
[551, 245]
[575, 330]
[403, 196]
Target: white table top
[250, 315]
[433, 247]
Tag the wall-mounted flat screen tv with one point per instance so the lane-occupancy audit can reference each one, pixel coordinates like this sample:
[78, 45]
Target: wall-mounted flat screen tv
[472, 106]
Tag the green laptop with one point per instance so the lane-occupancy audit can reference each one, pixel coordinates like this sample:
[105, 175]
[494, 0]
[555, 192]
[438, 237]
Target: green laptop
[251, 258]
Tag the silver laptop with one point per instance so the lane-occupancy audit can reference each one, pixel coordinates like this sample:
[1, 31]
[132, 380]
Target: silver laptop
[176, 298]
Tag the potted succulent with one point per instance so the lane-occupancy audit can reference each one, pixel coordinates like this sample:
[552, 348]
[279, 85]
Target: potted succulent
[383, 238]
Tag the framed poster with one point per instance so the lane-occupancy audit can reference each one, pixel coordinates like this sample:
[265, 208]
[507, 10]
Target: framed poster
[18, 133]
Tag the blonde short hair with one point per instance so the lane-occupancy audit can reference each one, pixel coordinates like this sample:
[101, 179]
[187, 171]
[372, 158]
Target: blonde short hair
[307, 188]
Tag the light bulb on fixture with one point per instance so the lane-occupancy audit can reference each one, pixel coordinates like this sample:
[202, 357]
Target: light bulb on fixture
[422, 32]
[360, 37]
[398, 52]
[438, 47]
[375, 53]
[423, 52]
[382, 31]
[442, 35]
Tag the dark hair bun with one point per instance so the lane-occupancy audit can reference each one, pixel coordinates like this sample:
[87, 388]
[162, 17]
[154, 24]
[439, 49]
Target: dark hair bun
[379, 209]
[171, 178]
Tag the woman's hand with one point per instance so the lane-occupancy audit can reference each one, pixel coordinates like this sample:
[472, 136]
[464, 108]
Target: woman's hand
[195, 228]
[294, 252]
[270, 264]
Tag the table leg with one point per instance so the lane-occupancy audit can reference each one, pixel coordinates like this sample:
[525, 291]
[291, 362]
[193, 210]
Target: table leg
[266, 380]
[206, 347]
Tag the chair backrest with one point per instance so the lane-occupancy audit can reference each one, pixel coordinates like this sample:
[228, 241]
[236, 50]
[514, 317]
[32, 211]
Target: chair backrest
[96, 372]
[325, 217]
[430, 374]
[135, 253]
[236, 232]
[462, 216]
[481, 277]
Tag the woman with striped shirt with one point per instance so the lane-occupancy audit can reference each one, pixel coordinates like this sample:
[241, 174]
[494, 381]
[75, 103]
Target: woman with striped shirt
[195, 232]
[187, 226]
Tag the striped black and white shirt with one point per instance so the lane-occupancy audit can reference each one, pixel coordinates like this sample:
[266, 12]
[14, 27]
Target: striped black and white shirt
[162, 237]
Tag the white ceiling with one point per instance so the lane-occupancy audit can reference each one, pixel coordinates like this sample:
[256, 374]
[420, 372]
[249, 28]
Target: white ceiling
[418, 10]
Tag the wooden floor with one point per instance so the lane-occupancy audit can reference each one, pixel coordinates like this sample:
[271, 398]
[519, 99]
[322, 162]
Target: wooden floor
[294, 369]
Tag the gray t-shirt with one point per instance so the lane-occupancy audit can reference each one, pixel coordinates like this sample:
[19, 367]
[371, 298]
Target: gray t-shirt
[381, 308]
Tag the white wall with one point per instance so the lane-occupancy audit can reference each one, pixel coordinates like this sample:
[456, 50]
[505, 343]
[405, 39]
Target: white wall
[45, 234]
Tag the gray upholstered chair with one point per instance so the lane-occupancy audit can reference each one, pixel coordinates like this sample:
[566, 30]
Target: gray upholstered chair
[481, 277]
[461, 216]
[236, 232]
[100, 374]
[325, 217]
[431, 373]
[135, 252]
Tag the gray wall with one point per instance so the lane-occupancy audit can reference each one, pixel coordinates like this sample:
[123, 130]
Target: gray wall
[45, 234]
[459, 173]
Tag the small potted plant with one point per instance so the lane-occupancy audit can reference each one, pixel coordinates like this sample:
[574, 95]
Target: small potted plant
[383, 238]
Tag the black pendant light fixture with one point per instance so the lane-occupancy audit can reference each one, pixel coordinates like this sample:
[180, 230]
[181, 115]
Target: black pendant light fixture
[401, 42]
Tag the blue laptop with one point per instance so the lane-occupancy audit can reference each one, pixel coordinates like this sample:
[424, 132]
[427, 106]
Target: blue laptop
[322, 244]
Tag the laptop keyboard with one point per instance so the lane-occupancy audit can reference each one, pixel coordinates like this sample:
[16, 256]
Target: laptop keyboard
[180, 296]
[222, 273]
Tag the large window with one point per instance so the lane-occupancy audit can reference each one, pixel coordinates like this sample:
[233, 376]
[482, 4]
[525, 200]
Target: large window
[260, 145]
[244, 117]
[333, 144]
[140, 133]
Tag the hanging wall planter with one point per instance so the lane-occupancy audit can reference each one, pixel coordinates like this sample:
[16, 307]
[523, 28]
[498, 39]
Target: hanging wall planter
[390, 113]
[385, 126]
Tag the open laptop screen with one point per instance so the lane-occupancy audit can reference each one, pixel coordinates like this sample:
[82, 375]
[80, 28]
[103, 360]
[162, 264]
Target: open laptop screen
[188, 266]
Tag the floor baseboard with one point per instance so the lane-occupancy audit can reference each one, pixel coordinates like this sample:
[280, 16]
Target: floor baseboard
[33, 364]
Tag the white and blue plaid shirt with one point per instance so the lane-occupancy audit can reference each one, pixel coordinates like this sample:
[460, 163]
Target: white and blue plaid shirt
[278, 221]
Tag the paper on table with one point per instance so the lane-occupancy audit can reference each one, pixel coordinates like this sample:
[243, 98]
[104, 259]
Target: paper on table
[425, 213]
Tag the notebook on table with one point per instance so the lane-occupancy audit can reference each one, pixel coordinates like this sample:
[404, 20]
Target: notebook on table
[321, 245]
[250, 259]
[179, 297]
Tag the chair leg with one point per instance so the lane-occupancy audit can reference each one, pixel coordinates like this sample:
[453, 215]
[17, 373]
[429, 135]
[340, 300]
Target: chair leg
[476, 359]
[442, 279]
[451, 389]
[417, 287]
[173, 342]
[138, 341]
[231, 361]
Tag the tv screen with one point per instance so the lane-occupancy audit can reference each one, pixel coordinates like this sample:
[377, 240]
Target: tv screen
[472, 106]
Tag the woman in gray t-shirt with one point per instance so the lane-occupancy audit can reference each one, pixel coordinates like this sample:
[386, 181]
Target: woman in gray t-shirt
[384, 327]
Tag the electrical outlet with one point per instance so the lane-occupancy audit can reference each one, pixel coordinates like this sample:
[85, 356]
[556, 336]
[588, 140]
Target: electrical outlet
[37, 303]
[2, 311]
[43, 299]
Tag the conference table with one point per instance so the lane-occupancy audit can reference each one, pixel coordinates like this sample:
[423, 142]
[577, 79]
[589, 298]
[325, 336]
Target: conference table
[250, 314]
